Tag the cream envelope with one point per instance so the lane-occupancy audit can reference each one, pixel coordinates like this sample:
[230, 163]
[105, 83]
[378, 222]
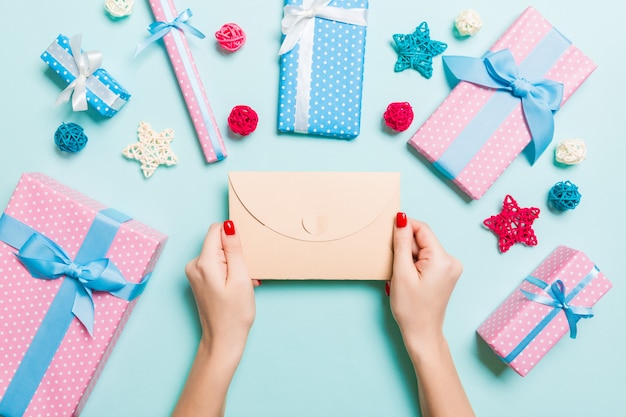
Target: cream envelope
[315, 225]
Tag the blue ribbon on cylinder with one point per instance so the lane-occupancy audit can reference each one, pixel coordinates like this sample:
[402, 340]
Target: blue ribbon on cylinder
[559, 301]
[159, 29]
[540, 98]
[89, 271]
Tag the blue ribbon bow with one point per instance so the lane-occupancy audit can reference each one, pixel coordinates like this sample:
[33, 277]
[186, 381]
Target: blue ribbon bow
[44, 259]
[498, 70]
[557, 299]
[160, 29]
[90, 271]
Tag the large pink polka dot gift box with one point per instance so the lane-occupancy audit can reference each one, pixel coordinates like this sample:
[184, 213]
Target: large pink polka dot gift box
[548, 304]
[71, 271]
[505, 102]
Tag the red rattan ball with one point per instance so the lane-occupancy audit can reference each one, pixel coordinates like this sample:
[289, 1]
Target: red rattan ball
[243, 120]
[399, 116]
[230, 37]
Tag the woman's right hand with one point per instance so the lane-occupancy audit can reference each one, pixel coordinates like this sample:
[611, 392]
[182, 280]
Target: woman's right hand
[424, 275]
[423, 278]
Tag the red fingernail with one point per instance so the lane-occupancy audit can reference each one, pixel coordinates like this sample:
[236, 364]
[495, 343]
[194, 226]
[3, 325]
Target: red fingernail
[387, 288]
[229, 227]
[401, 219]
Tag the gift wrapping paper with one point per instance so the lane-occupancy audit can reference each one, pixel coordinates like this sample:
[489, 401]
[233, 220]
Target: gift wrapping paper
[190, 83]
[34, 315]
[103, 92]
[321, 78]
[480, 138]
[522, 331]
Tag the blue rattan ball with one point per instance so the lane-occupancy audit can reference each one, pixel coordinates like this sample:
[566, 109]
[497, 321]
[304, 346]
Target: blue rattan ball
[70, 137]
[564, 196]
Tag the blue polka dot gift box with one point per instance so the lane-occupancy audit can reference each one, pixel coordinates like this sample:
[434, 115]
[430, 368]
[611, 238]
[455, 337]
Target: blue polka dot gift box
[321, 67]
[554, 300]
[505, 103]
[88, 84]
[71, 271]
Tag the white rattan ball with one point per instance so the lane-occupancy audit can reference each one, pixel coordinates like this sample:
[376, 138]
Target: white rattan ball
[119, 8]
[468, 22]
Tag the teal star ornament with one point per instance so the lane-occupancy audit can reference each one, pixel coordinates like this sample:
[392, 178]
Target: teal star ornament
[416, 50]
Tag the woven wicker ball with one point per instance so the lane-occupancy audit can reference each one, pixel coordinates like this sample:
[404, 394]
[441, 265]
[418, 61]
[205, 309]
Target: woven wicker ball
[468, 22]
[70, 137]
[564, 196]
[230, 37]
[398, 116]
[119, 8]
[243, 120]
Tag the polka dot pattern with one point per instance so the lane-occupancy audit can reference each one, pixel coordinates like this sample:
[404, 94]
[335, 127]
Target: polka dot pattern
[64, 215]
[517, 316]
[336, 78]
[467, 100]
[190, 84]
[101, 74]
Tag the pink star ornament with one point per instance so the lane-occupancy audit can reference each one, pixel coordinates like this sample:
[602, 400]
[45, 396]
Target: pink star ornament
[513, 224]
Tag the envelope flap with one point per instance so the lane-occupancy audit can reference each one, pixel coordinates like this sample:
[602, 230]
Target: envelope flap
[316, 206]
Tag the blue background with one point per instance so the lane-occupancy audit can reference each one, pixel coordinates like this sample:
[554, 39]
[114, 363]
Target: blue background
[328, 348]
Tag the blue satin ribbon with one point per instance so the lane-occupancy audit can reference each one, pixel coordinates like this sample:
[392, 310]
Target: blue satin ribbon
[88, 272]
[44, 259]
[160, 29]
[540, 98]
[556, 291]
[460, 152]
[559, 301]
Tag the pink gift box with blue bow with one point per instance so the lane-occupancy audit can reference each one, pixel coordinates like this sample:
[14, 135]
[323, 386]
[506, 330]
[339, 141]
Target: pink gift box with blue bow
[71, 271]
[547, 305]
[505, 103]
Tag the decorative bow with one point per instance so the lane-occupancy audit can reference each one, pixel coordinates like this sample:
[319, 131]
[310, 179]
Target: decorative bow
[540, 99]
[44, 259]
[297, 18]
[159, 29]
[557, 299]
[86, 64]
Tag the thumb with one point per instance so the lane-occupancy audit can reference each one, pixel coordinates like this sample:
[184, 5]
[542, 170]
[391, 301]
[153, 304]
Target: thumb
[402, 244]
[233, 253]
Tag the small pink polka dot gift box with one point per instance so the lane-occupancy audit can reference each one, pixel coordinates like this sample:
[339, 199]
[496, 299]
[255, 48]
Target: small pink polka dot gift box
[548, 304]
[505, 103]
[71, 270]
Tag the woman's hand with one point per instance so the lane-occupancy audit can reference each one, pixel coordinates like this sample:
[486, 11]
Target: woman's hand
[223, 290]
[424, 275]
[423, 278]
[224, 295]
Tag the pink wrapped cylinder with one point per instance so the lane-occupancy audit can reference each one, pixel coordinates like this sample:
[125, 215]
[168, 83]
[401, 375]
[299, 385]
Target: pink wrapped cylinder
[190, 83]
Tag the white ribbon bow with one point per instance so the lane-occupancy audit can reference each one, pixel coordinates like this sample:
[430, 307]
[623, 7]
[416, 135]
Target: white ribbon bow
[297, 18]
[86, 64]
